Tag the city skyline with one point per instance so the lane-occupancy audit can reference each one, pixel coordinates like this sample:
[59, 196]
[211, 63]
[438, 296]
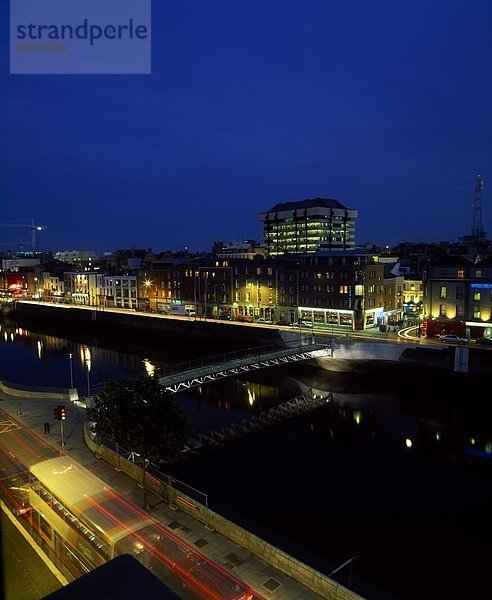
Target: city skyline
[385, 109]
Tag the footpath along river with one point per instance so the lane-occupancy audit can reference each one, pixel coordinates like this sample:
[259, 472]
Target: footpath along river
[395, 471]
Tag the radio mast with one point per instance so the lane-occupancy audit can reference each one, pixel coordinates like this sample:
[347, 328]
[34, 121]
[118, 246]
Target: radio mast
[478, 232]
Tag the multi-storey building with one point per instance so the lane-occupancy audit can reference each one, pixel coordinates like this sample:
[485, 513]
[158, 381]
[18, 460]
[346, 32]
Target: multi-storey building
[78, 258]
[308, 226]
[84, 287]
[343, 289]
[457, 289]
[413, 295]
[52, 286]
[393, 299]
[120, 291]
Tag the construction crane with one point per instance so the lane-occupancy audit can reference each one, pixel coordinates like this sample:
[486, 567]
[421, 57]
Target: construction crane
[32, 227]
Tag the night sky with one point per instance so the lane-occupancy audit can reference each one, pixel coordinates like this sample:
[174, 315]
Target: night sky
[385, 106]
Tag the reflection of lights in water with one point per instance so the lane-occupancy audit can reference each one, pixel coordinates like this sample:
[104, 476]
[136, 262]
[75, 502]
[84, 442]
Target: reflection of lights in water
[86, 357]
[149, 367]
[357, 416]
[472, 441]
[12, 337]
[438, 436]
[408, 443]
[5, 336]
[40, 348]
[251, 397]
[488, 447]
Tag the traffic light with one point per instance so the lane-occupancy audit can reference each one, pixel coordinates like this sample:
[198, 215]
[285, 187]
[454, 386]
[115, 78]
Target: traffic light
[59, 413]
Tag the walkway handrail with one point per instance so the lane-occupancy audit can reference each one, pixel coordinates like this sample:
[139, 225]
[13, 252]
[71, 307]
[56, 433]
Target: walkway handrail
[216, 359]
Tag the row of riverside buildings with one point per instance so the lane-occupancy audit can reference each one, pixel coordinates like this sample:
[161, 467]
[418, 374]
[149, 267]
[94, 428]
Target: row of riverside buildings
[307, 269]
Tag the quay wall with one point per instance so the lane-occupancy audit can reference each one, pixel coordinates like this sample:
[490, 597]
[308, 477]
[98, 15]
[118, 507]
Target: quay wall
[182, 331]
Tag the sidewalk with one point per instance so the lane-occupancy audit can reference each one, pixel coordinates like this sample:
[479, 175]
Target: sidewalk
[268, 582]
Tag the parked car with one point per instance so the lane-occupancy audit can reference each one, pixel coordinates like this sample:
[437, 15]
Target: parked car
[300, 323]
[242, 319]
[450, 338]
[484, 341]
[262, 320]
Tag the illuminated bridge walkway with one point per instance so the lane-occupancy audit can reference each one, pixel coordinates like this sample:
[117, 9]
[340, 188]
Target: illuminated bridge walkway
[297, 406]
[187, 375]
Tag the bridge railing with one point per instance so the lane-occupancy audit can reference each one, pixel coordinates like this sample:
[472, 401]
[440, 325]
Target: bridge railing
[216, 359]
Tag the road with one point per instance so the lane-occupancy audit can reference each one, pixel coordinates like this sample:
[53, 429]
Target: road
[25, 575]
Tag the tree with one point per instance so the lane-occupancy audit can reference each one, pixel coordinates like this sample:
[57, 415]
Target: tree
[141, 416]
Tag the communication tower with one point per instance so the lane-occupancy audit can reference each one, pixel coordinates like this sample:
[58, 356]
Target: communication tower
[478, 232]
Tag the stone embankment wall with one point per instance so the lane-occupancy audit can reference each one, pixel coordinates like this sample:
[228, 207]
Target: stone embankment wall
[27, 392]
[179, 331]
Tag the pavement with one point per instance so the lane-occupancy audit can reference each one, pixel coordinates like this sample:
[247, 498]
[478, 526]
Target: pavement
[33, 413]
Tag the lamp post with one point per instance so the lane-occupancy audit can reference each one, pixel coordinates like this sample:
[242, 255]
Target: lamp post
[194, 291]
[205, 293]
[147, 284]
[71, 370]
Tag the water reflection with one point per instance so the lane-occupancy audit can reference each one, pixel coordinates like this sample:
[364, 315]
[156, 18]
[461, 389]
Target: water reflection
[45, 360]
[343, 423]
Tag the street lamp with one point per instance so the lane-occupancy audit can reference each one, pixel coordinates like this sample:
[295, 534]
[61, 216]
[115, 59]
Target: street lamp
[71, 370]
[147, 284]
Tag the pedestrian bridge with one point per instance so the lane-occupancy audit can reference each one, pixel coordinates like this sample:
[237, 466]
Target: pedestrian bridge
[192, 374]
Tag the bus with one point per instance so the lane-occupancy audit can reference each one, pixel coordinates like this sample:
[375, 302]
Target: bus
[83, 523]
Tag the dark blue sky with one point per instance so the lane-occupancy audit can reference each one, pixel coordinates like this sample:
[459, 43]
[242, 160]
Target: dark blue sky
[385, 106]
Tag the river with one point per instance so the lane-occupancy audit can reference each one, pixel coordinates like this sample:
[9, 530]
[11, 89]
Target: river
[394, 471]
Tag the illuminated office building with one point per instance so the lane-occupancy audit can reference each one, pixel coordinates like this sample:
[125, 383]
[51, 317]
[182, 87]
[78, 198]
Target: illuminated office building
[308, 226]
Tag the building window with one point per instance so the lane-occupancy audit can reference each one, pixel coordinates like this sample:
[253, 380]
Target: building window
[459, 310]
[444, 273]
[442, 310]
[476, 312]
[248, 296]
[461, 273]
[344, 289]
[443, 292]
[476, 296]
[459, 293]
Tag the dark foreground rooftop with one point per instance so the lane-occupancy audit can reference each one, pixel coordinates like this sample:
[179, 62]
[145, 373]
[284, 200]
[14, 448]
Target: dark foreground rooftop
[122, 578]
